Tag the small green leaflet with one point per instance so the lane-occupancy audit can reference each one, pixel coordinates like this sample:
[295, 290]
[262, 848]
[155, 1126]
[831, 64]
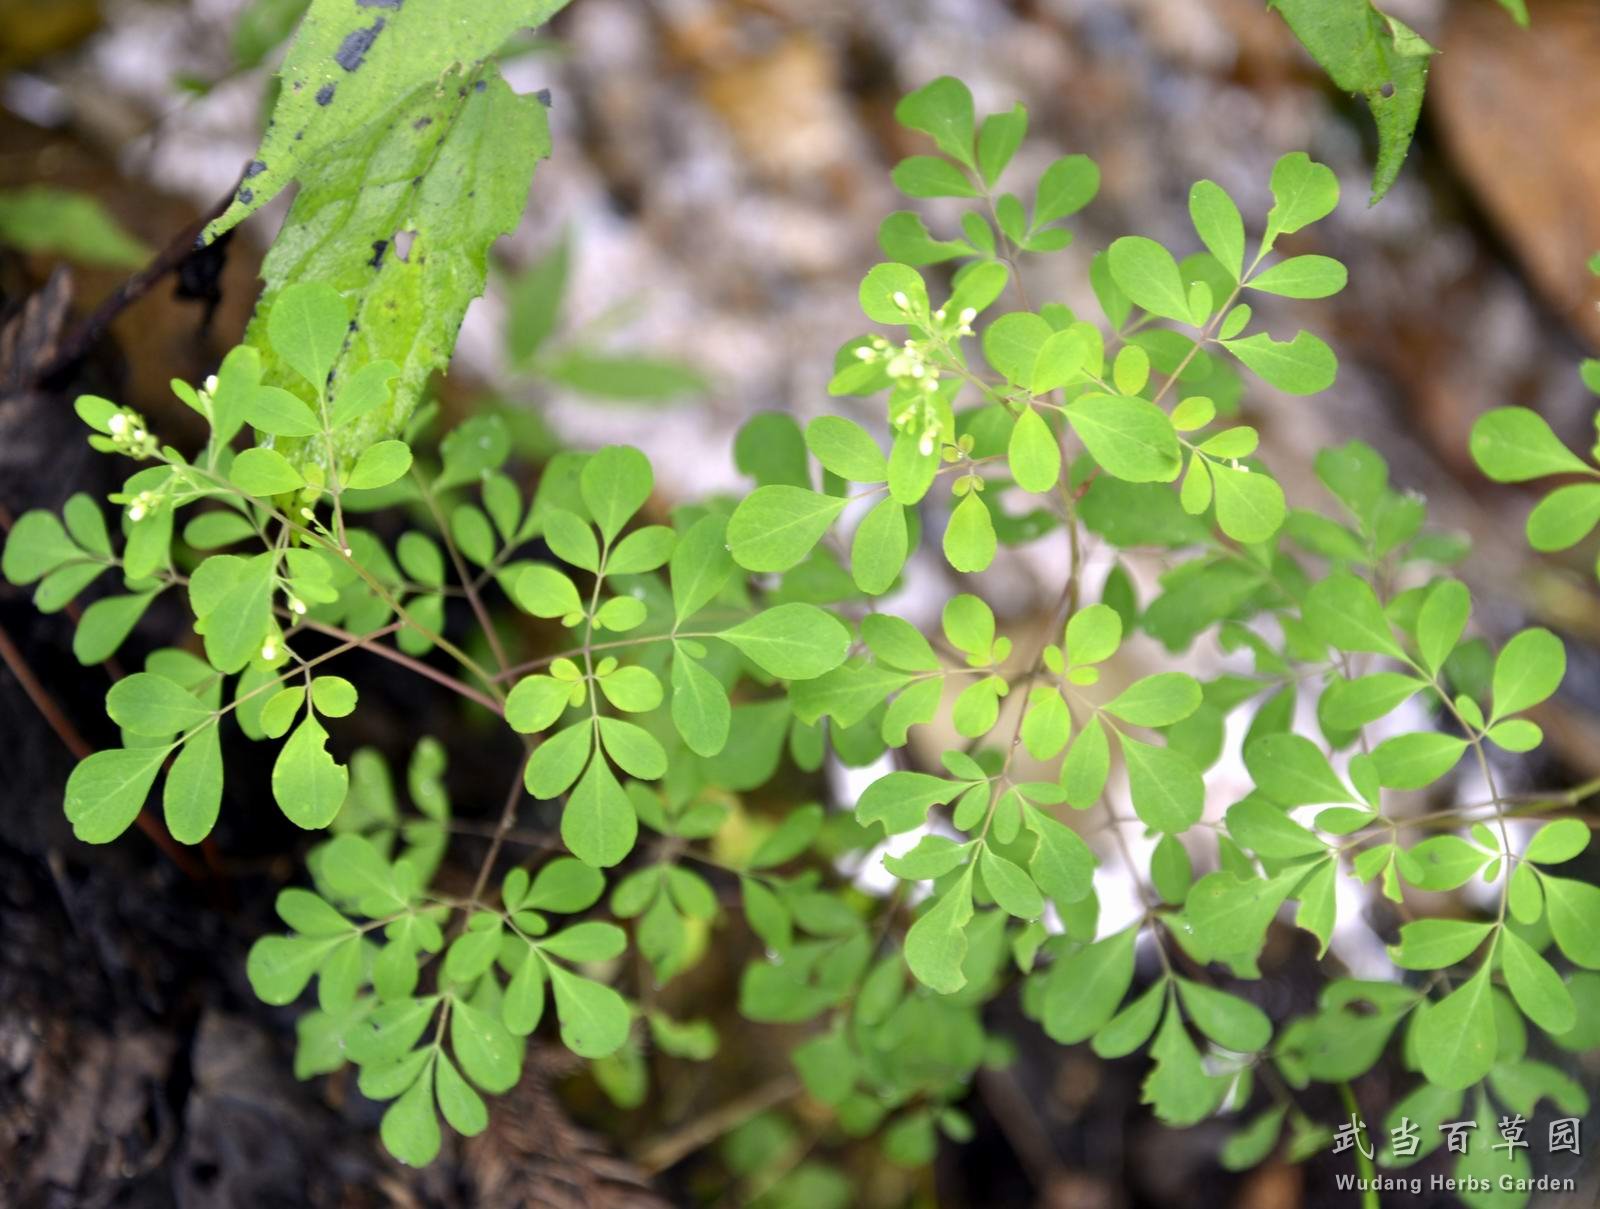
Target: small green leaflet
[793, 641]
[936, 945]
[776, 526]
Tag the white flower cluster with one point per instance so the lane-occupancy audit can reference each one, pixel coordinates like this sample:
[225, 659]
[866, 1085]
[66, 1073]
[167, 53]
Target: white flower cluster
[130, 434]
[144, 504]
[915, 371]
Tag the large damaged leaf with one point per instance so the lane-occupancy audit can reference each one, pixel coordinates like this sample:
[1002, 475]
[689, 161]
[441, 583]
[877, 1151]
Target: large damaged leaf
[412, 157]
[1366, 51]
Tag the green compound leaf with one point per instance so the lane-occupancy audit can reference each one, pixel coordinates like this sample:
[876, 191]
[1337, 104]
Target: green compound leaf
[354, 869]
[279, 967]
[904, 237]
[1444, 862]
[1303, 192]
[636, 751]
[1363, 50]
[232, 599]
[642, 550]
[792, 641]
[1012, 344]
[1088, 764]
[774, 527]
[1178, 1086]
[1513, 445]
[1230, 914]
[931, 176]
[1269, 832]
[634, 690]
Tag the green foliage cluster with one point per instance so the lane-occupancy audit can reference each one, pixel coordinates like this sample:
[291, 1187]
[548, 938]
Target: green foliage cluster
[708, 651]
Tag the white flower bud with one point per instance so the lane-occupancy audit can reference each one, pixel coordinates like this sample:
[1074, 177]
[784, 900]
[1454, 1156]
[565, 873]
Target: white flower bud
[901, 301]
